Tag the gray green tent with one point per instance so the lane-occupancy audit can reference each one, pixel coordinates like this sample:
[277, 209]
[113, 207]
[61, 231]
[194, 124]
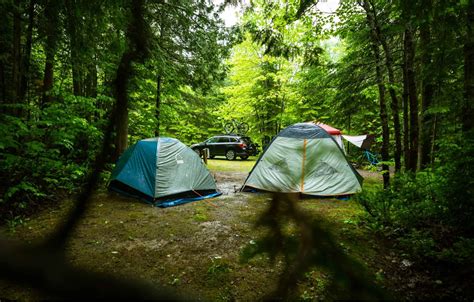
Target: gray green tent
[162, 171]
[304, 158]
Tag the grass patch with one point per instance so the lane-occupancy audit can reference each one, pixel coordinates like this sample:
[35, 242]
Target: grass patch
[224, 165]
[201, 214]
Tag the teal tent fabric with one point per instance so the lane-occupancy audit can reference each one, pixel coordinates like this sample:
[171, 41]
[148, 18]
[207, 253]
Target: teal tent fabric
[304, 158]
[162, 171]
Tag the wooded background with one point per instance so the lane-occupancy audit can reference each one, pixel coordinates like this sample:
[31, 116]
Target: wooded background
[403, 70]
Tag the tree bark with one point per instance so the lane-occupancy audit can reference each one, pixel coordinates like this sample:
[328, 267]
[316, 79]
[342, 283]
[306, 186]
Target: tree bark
[467, 108]
[383, 106]
[158, 105]
[375, 27]
[3, 86]
[406, 117]
[409, 50]
[77, 74]
[374, 43]
[16, 55]
[25, 74]
[52, 16]
[426, 98]
[90, 85]
[137, 51]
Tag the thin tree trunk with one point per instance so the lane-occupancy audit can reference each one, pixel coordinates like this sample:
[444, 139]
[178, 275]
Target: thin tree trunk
[91, 87]
[413, 100]
[77, 78]
[406, 118]
[467, 108]
[433, 139]
[51, 13]
[375, 27]
[158, 105]
[383, 118]
[383, 106]
[426, 99]
[3, 85]
[27, 53]
[121, 121]
[16, 55]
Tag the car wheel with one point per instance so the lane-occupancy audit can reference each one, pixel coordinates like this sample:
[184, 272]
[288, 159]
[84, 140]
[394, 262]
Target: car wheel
[230, 154]
[244, 157]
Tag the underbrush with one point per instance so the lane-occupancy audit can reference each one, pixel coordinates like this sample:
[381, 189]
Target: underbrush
[429, 213]
[47, 155]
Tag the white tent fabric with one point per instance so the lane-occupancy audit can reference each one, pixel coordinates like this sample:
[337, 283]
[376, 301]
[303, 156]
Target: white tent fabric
[338, 139]
[304, 158]
[356, 139]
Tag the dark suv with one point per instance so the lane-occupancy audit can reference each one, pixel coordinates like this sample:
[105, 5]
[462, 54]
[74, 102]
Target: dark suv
[230, 146]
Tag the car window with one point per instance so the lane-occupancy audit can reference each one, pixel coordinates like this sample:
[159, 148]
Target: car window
[212, 140]
[233, 139]
[223, 140]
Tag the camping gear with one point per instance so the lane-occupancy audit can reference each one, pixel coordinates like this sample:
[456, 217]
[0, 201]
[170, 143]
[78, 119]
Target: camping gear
[362, 141]
[304, 158]
[335, 133]
[162, 171]
[372, 158]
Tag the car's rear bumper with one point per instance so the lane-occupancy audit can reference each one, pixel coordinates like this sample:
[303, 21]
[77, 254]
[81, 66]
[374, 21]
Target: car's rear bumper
[247, 152]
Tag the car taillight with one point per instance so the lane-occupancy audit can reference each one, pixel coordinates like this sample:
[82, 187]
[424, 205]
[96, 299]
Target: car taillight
[243, 145]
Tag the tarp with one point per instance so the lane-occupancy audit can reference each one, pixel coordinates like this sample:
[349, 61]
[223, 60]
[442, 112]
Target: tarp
[356, 140]
[162, 169]
[304, 158]
[335, 133]
[361, 141]
[329, 129]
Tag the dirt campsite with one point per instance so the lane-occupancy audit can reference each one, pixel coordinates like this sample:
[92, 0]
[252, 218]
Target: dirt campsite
[195, 248]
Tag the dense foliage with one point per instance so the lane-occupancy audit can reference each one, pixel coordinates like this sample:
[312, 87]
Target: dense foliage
[60, 66]
[403, 70]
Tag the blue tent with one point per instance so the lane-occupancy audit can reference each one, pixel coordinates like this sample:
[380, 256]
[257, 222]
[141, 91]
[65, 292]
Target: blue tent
[162, 171]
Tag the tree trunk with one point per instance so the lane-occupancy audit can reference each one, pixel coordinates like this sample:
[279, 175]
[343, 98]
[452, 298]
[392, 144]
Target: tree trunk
[383, 106]
[467, 108]
[51, 14]
[25, 74]
[121, 121]
[72, 22]
[383, 117]
[375, 27]
[158, 105]
[426, 98]
[137, 50]
[406, 118]
[90, 86]
[3, 85]
[16, 56]
[409, 50]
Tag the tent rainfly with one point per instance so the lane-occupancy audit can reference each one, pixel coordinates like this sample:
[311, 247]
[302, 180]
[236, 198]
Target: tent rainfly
[304, 158]
[361, 141]
[162, 171]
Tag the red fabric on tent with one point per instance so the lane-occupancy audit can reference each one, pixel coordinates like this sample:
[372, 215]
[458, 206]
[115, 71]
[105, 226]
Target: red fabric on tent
[329, 129]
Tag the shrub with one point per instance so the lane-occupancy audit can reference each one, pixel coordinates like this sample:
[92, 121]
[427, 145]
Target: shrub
[430, 212]
[47, 154]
